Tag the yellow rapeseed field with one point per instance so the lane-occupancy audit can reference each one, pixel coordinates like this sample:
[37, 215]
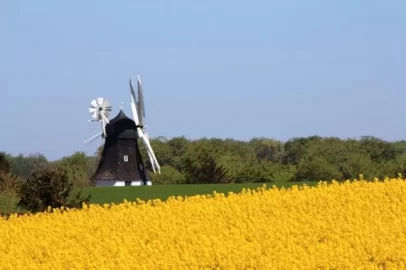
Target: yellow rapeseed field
[352, 225]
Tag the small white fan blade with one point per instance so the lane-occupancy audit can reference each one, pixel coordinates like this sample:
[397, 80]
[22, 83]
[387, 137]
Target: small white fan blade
[93, 103]
[106, 106]
[100, 101]
[95, 115]
[92, 110]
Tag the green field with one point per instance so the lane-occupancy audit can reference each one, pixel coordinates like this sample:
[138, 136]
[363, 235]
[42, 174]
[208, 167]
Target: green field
[102, 195]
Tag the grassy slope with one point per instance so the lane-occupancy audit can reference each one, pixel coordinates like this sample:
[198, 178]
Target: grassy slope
[118, 194]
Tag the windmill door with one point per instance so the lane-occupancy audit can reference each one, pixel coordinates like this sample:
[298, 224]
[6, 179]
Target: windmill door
[130, 161]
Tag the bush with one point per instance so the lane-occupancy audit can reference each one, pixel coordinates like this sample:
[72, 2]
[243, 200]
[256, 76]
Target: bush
[48, 187]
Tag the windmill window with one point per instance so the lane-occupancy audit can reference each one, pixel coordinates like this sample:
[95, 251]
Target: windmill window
[125, 158]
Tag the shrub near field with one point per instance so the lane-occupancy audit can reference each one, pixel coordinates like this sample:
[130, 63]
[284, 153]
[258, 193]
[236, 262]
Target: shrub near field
[347, 225]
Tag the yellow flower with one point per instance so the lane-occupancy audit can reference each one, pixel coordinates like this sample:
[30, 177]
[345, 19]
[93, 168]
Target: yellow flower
[344, 225]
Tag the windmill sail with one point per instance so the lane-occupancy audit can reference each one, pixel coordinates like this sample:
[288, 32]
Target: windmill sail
[134, 104]
[140, 103]
[138, 110]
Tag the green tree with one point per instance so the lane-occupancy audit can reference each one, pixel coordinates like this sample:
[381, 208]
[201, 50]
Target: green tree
[22, 165]
[355, 164]
[169, 175]
[256, 172]
[78, 167]
[316, 168]
[378, 149]
[266, 149]
[179, 147]
[296, 148]
[201, 165]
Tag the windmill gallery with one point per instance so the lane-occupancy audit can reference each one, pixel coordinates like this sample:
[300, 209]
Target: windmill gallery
[121, 162]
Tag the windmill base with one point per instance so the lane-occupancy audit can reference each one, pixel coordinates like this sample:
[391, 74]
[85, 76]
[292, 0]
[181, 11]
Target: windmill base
[120, 183]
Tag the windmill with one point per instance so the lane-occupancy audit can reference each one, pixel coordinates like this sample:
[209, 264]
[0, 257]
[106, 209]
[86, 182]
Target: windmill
[121, 161]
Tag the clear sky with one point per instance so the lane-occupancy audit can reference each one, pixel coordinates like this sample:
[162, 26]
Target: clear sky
[236, 69]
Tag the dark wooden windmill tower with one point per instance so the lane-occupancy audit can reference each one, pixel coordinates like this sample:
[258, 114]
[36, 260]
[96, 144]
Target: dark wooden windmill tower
[121, 162]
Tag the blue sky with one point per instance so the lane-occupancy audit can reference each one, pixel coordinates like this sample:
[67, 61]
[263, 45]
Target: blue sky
[228, 69]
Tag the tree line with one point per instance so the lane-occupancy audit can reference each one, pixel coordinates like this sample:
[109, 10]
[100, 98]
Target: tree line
[32, 183]
[214, 160]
